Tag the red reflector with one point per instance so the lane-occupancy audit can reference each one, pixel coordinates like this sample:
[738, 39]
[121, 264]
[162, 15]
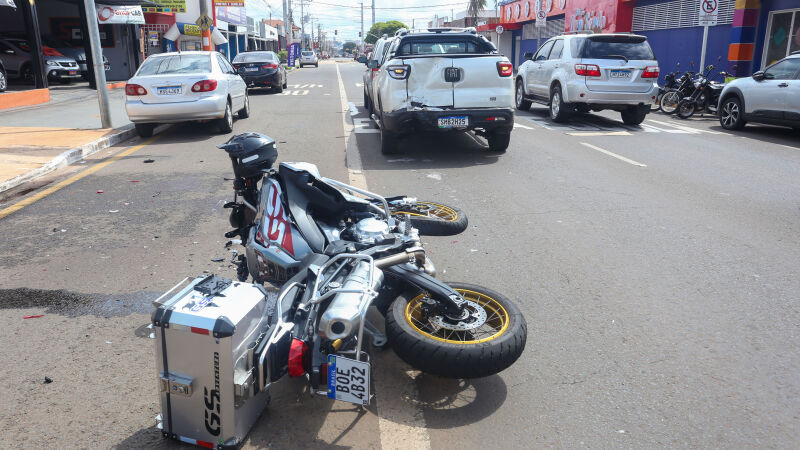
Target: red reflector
[490, 119]
[504, 69]
[297, 354]
[199, 330]
[205, 444]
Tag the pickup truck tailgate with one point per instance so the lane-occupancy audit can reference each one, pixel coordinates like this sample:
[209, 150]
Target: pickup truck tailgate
[426, 85]
[480, 85]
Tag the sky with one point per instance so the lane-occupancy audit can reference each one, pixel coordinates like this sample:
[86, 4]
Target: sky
[345, 15]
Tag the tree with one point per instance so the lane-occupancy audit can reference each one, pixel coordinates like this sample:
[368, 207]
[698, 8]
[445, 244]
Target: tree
[381, 28]
[474, 9]
[349, 46]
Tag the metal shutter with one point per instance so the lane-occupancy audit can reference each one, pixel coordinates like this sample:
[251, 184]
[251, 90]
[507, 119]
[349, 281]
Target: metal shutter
[677, 14]
[551, 28]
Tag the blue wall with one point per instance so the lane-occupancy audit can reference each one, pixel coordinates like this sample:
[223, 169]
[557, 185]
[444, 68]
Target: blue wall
[685, 44]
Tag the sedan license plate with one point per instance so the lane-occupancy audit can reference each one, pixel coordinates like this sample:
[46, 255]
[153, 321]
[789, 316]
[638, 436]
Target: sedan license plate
[169, 90]
[624, 74]
[251, 69]
[348, 380]
[453, 122]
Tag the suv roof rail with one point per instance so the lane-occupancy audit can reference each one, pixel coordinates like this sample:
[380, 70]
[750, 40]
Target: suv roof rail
[578, 32]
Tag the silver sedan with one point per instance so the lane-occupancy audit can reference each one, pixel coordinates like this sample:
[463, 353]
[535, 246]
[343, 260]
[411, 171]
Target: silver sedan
[185, 86]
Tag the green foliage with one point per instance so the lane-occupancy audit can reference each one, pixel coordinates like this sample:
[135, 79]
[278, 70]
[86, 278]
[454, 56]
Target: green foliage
[381, 28]
[283, 56]
[474, 7]
[349, 46]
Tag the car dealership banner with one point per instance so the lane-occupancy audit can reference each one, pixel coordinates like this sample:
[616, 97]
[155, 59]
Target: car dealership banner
[120, 14]
[231, 15]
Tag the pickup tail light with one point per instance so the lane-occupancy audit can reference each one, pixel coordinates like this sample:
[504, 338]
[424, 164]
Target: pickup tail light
[297, 357]
[650, 72]
[204, 86]
[399, 72]
[504, 69]
[587, 70]
[135, 89]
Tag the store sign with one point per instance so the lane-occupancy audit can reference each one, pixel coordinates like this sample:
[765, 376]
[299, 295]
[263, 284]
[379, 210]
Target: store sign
[167, 6]
[585, 19]
[125, 15]
[231, 15]
[189, 29]
[294, 49]
[709, 10]
[234, 3]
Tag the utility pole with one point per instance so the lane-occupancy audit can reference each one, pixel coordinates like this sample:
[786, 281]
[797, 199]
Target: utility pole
[302, 27]
[97, 59]
[373, 12]
[362, 25]
[206, 34]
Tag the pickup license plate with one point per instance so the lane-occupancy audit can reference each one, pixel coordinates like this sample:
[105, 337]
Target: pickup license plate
[251, 69]
[624, 74]
[169, 90]
[453, 122]
[73, 72]
[348, 380]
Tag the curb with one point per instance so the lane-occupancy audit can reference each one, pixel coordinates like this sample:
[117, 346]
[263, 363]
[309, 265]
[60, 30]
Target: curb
[71, 156]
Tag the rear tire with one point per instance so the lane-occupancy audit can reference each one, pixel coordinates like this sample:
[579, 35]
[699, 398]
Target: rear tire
[498, 141]
[669, 102]
[277, 89]
[225, 124]
[388, 140]
[244, 113]
[635, 115]
[522, 104]
[685, 109]
[460, 354]
[145, 130]
[558, 109]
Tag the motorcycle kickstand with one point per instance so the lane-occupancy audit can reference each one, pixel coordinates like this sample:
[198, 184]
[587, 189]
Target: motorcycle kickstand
[378, 339]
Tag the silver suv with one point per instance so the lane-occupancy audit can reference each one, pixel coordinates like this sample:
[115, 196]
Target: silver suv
[308, 58]
[590, 72]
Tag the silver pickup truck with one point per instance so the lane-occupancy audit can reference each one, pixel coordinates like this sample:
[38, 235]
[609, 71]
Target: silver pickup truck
[443, 80]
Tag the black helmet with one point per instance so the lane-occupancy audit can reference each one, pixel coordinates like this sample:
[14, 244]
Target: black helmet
[251, 153]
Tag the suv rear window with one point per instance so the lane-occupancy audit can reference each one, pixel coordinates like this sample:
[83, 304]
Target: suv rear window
[443, 46]
[307, 53]
[612, 47]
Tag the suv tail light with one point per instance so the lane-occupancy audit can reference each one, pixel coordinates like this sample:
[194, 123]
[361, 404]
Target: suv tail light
[399, 72]
[204, 86]
[650, 72]
[297, 356]
[504, 69]
[135, 89]
[587, 70]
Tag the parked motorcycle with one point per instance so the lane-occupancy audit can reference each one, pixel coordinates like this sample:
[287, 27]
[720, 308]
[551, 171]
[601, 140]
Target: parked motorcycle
[335, 254]
[705, 96]
[669, 84]
[683, 87]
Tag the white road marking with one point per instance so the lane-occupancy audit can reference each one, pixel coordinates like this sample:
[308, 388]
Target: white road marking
[664, 130]
[600, 133]
[364, 125]
[359, 84]
[305, 86]
[685, 128]
[614, 155]
[398, 419]
[524, 127]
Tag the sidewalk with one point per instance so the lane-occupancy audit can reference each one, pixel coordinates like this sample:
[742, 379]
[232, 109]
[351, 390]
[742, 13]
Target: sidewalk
[37, 140]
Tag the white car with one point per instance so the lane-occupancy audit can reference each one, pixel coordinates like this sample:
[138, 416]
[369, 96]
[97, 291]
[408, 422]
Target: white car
[308, 58]
[185, 86]
[770, 96]
[446, 80]
[590, 72]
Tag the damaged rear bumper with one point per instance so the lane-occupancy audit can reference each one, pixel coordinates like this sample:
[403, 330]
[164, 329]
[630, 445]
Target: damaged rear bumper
[487, 119]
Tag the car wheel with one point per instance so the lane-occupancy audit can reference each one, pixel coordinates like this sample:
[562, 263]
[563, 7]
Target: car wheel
[244, 113]
[635, 115]
[498, 141]
[730, 116]
[26, 73]
[558, 109]
[3, 81]
[225, 124]
[285, 81]
[145, 130]
[278, 89]
[316, 65]
[388, 140]
[519, 97]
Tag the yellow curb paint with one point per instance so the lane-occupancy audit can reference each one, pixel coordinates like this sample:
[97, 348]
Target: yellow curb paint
[80, 175]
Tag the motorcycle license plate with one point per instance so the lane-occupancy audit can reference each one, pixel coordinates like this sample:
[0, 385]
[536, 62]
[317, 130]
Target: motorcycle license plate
[625, 74]
[453, 121]
[348, 380]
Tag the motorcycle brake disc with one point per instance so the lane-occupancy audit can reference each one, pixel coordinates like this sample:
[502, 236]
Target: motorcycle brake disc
[474, 317]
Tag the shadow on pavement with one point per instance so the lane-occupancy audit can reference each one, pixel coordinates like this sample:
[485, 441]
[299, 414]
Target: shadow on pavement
[449, 403]
[766, 133]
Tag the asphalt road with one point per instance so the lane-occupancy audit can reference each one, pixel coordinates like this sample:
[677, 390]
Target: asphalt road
[656, 267]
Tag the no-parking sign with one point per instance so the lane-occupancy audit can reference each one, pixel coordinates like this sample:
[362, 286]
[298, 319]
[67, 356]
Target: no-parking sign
[709, 10]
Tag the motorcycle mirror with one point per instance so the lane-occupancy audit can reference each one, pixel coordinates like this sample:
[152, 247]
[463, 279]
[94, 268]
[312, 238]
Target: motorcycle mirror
[692, 64]
[678, 65]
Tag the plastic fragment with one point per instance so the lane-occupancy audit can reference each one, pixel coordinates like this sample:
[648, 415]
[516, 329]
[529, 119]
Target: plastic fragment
[48, 380]
[34, 316]
[217, 259]
[147, 161]
[454, 242]
[113, 210]
[157, 194]
[134, 181]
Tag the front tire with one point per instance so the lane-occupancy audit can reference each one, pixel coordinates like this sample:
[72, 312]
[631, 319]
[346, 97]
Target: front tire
[433, 219]
[669, 102]
[730, 115]
[558, 109]
[686, 109]
[522, 104]
[3, 81]
[225, 124]
[434, 345]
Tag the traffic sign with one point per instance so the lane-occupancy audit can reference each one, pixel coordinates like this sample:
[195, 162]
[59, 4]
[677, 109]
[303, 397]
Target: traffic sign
[499, 29]
[541, 18]
[204, 22]
[709, 10]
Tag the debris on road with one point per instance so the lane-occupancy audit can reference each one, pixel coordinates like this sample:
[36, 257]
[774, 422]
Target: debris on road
[113, 211]
[217, 259]
[134, 181]
[157, 194]
[33, 317]
[48, 380]
[147, 161]
[100, 191]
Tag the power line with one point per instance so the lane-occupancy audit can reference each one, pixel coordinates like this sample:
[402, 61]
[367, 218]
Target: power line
[398, 7]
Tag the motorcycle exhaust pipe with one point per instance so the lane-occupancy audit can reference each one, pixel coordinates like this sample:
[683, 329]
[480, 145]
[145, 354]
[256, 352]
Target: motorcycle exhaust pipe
[343, 316]
[413, 254]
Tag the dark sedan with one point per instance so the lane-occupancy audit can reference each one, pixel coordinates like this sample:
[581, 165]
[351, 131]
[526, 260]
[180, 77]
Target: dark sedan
[261, 69]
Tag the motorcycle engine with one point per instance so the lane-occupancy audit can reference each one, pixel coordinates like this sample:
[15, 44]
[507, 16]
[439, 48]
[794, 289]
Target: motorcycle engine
[370, 229]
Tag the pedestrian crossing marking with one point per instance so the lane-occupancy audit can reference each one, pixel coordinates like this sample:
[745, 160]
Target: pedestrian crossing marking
[305, 86]
[600, 133]
[576, 127]
[295, 92]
